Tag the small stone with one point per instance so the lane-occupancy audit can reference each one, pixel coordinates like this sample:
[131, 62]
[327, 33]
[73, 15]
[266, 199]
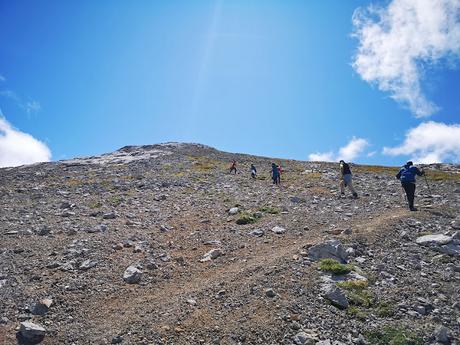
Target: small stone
[41, 307]
[32, 332]
[233, 211]
[87, 264]
[257, 232]
[110, 215]
[132, 275]
[117, 339]
[212, 254]
[437, 240]
[332, 249]
[304, 338]
[270, 293]
[191, 301]
[278, 230]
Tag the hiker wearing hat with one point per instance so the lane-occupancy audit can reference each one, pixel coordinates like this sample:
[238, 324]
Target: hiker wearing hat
[346, 179]
[407, 177]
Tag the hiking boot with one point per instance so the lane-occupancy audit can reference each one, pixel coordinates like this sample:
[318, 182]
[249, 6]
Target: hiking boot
[341, 195]
[355, 195]
[412, 208]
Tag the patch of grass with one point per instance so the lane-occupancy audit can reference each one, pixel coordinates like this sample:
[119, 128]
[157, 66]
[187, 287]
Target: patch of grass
[269, 209]
[437, 175]
[376, 169]
[334, 267]
[116, 200]
[95, 204]
[357, 293]
[246, 218]
[357, 313]
[356, 285]
[385, 310]
[424, 233]
[393, 336]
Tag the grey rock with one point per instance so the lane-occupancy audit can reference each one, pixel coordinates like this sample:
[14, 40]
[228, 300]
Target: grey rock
[304, 338]
[118, 339]
[87, 264]
[278, 230]
[270, 293]
[441, 334]
[42, 307]
[212, 254]
[449, 249]
[110, 215]
[32, 332]
[233, 210]
[257, 232]
[132, 275]
[332, 249]
[336, 296]
[433, 240]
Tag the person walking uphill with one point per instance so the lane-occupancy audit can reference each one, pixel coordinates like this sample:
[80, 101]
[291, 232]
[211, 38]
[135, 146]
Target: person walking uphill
[407, 177]
[275, 174]
[253, 171]
[233, 167]
[346, 179]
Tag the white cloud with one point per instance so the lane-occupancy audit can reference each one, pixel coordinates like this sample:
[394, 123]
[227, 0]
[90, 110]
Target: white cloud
[430, 142]
[18, 148]
[2, 78]
[348, 152]
[321, 157]
[396, 42]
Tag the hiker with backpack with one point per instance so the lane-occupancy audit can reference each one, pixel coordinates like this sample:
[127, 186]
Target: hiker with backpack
[233, 167]
[253, 171]
[407, 176]
[280, 170]
[275, 174]
[346, 179]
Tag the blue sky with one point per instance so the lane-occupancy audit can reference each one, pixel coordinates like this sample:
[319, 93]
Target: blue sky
[273, 78]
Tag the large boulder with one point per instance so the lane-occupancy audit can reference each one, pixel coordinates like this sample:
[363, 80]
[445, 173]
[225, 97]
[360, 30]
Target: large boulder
[31, 332]
[331, 249]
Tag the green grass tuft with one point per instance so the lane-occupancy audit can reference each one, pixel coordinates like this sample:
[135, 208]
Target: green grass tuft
[269, 209]
[333, 266]
[246, 218]
[393, 336]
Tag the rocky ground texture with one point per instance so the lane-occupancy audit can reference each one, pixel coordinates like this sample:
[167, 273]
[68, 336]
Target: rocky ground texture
[159, 244]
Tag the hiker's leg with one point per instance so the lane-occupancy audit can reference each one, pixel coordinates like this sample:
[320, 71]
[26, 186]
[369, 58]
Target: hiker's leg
[342, 187]
[411, 194]
[352, 190]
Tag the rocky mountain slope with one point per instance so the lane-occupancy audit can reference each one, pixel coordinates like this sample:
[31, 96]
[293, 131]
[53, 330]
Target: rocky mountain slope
[159, 244]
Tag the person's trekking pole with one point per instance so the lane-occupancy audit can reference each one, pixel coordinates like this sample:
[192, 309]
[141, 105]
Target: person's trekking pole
[429, 189]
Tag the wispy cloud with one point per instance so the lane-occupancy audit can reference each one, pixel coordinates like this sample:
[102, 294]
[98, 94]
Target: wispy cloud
[18, 148]
[30, 106]
[2, 78]
[430, 142]
[397, 42]
[349, 152]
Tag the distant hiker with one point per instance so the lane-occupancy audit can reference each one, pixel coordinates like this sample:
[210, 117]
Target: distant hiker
[233, 167]
[280, 170]
[275, 174]
[346, 179]
[407, 177]
[253, 171]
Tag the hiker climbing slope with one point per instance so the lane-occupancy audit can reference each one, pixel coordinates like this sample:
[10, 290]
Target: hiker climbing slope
[275, 174]
[346, 179]
[233, 167]
[407, 177]
[253, 171]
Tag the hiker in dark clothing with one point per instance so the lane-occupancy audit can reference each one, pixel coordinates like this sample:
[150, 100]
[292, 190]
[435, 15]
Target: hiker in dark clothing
[253, 171]
[346, 179]
[233, 167]
[407, 177]
[275, 174]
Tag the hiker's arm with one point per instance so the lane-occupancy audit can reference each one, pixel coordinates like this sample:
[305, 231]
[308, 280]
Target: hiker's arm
[420, 172]
[398, 175]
